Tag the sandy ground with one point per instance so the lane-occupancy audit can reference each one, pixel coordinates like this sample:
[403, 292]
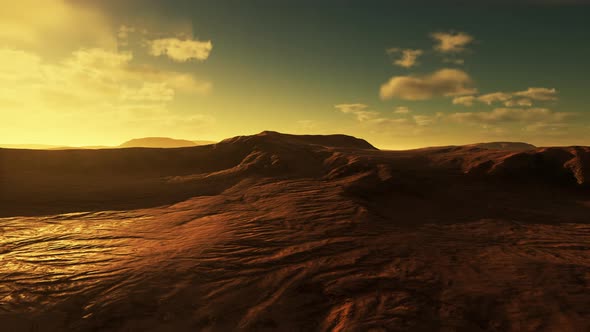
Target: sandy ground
[275, 232]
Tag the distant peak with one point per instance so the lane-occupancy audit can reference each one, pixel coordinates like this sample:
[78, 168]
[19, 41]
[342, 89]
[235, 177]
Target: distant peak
[269, 132]
[157, 142]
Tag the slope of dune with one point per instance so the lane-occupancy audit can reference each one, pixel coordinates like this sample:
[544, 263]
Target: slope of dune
[276, 232]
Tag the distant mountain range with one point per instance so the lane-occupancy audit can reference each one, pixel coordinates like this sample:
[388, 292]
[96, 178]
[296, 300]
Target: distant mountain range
[161, 142]
[167, 142]
[146, 142]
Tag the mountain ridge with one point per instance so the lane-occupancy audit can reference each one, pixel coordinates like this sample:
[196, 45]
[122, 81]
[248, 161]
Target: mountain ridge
[86, 176]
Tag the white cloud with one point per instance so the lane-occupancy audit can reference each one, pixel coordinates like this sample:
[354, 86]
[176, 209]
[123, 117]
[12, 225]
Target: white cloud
[464, 100]
[509, 99]
[525, 102]
[408, 57]
[494, 97]
[451, 42]
[543, 94]
[444, 82]
[359, 110]
[181, 50]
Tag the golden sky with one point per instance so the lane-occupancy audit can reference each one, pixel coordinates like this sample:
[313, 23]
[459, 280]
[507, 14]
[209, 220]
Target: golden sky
[101, 72]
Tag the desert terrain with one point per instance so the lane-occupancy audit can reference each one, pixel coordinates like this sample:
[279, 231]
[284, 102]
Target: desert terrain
[277, 232]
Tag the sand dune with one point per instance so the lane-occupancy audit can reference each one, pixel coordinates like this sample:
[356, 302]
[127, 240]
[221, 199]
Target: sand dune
[284, 232]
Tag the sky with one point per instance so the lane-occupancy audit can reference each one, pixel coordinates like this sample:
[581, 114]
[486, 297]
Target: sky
[399, 74]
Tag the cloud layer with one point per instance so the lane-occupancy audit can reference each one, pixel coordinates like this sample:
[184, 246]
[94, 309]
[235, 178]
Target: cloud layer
[89, 84]
[444, 82]
[499, 115]
[510, 99]
[38, 24]
[358, 110]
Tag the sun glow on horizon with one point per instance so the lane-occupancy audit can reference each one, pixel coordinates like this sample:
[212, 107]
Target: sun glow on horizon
[100, 73]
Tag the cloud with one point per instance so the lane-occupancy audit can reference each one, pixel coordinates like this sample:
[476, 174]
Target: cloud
[454, 61]
[402, 110]
[152, 92]
[444, 82]
[89, 78]
[525, 102]
[423, 120]
[38, 24]
[494, 97]
[181, 82]
[507, 115]
[464, 100]
[547, 128]
[543, 94]
[375, 121]
[123, 34]
[452, 42]
[509, 99]
[181, 50]
[96, 59]
[90, 91]
[359, 110]
[124, 31]
[408, 57]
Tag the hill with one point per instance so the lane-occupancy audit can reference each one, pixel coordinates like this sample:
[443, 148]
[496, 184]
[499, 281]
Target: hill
[508, 146]
[161, 142]
[284, 232]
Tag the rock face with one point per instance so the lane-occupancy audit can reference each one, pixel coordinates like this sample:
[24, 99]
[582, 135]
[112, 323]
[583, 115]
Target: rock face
[286, 233]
